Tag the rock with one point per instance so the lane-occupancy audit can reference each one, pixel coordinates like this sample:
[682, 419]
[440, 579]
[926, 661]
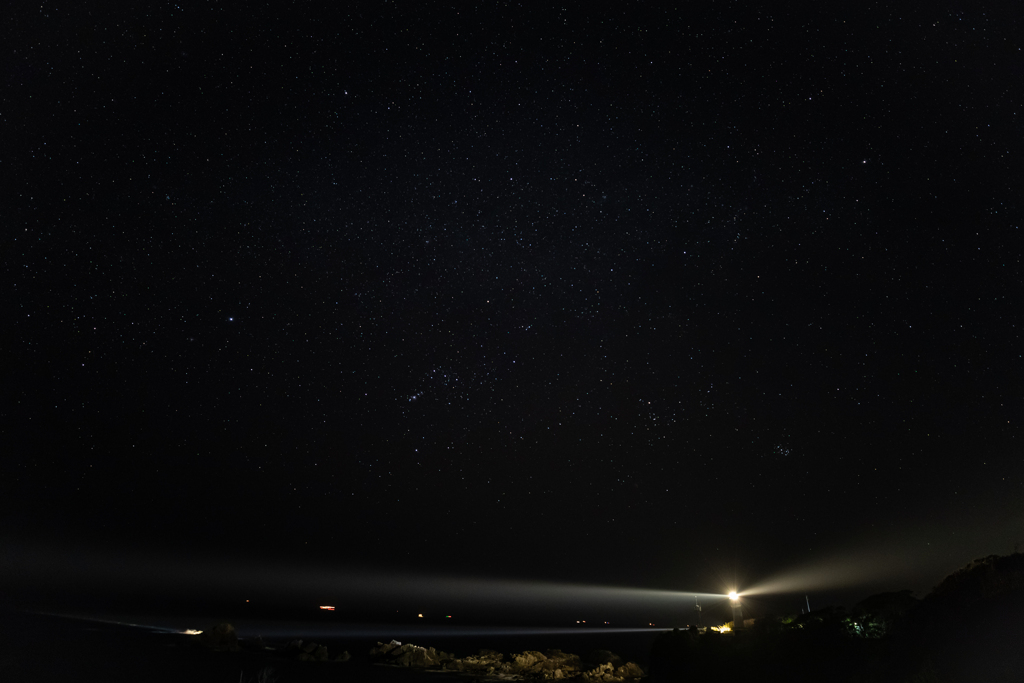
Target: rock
[531, 664]
[598, 657]
[308, 652]
[343, 657]
[408, 655]
[563, 659]
[557, 664]
[220, 637]
[487, 661]
[523, 661]
[608, 673]
[383, 649]
[629, 670]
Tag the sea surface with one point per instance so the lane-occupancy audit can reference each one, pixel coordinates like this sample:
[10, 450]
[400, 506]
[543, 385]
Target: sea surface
[36, 646]
[632, 644]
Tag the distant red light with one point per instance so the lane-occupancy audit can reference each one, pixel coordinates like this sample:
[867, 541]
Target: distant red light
[327, 607]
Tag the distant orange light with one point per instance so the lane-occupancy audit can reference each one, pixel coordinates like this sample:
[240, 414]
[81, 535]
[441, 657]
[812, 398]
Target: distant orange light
[327, 607]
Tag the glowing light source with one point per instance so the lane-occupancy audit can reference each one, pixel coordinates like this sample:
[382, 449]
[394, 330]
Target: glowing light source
[733, 595]
[327, 607]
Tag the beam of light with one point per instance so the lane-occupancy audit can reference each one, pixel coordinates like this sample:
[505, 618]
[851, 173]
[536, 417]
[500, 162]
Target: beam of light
[823, 574]
[916, 554]
[862, 568]
[124, 621]
[211, 578]
[884, 564]
[914, 557]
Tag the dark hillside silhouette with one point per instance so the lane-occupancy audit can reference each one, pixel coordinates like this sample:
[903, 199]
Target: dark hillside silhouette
[967, 629]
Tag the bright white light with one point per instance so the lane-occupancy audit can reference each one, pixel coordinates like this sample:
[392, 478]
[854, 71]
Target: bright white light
[733, 595]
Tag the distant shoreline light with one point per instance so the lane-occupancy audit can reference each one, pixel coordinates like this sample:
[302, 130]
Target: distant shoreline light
[327, 607]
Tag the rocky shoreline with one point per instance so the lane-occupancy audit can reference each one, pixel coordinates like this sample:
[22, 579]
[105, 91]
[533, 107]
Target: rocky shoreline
[604, 666]
[600, 666]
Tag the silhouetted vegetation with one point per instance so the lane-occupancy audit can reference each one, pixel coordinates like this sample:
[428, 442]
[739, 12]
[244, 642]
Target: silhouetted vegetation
[967, 629]
[875, 616]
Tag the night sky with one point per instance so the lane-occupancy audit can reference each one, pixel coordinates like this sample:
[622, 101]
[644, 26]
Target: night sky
[670, 298]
